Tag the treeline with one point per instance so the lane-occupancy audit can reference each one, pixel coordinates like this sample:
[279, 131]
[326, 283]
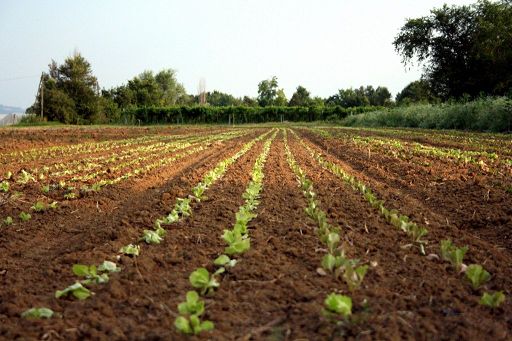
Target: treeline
[71, 94]
[238, 114]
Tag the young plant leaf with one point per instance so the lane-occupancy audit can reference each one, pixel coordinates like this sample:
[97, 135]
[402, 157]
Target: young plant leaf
[477, 275]
[338, 304]
[37, 313]
[77, 290]
[493, 300]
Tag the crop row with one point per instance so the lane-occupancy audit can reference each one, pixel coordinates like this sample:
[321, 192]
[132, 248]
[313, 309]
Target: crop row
[93, 275]
[237, 242]
[335, 260]
[475, 273]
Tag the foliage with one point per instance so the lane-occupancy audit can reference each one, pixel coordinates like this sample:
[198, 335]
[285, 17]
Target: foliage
[477, 275]
[4, 186]
[192, 325]
[202, 280]
[38, 313]
[493, 300]
[8, 221]
[267, 92]
[453, 254]
[464, 49]
[415, 92]
[300, 98]
[77, 290]
[130, 250]
[484, 114]
[24, 216]
[361, 97]
[338, 304]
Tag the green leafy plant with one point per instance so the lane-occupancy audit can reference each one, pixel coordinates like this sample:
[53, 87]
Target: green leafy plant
[25, 216]
[237, 244]
[202, 280]
[77, 290]
[153, 237]
[338, 304]
[37, 313]
[192, 306]
[90, 272]
[452, 254]
[25, 177]
[4, 186]
[192, 325]
[353, 274]
[493, 300]
[45, 189]
[38, 207]
[130, 250]
[477, 275]
[198, 191]
[8, 221]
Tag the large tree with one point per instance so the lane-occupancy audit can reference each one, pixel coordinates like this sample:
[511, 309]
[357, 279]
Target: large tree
[267, 92]
[300, 98]
[71, 92]
[463, 49]
[414, 92]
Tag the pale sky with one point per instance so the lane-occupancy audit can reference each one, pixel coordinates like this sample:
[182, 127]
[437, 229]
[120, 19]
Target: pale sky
[323, 45]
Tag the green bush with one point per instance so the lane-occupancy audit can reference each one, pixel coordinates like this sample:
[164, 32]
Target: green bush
[485, 114]
[241, 114]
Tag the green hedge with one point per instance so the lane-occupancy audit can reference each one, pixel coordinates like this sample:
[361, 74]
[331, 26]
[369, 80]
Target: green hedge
[486, 114]
[241, 114]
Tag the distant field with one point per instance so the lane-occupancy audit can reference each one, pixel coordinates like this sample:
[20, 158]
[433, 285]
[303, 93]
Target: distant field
[301, 212]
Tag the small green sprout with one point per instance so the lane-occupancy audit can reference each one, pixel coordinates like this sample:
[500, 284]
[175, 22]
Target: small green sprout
[53, 205]
[493, 300]
[354, 275]
[8, 221]
[193, 325]
[153, 237]
[198, 191]
[25, 216]
[37, 313]
[45, 189]
[192, 306]
[201, 279]
[90, 272]
[4, 186]
[25, 177]
[8, 175]
[224, 260]
[38, 207]
[108, 266]
[338, 304]
[477, 275]
[70, 195]
[236, 243]
[130, 250]
[451, 253]
[77, 290]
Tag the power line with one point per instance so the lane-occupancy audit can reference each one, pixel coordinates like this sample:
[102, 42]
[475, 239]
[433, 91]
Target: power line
[17, 78]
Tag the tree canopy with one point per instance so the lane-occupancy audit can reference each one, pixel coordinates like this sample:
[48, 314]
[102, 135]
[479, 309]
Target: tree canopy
[464, 50]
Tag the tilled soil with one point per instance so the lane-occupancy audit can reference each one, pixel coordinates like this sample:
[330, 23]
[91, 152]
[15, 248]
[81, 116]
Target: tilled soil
[275, 291]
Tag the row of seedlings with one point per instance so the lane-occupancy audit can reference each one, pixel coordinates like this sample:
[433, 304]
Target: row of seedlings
[335, 261]
[237, 241]
[475, 273]
[99, 274]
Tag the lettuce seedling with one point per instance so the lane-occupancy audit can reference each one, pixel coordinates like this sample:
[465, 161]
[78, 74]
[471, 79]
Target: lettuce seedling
[493, 300]
[25, 177]
[236, 243]
[8, 175]
[153, 237]
[4, 186]
[201, 279]
[108, 266]
[38, 207]
[25, 216]
[53, 205]
[37, 313]
[90, 273]
[8, 221]
[77, 290]
[451, 253]
[198, 191]
[477, 275]
[338, 304]
[353, 275]
[224, 260]
[192, 306]
[182, 206]
[193, 325]
[130, 250]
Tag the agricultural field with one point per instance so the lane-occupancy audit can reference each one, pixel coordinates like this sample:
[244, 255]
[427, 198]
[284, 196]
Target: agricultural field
[255, 233]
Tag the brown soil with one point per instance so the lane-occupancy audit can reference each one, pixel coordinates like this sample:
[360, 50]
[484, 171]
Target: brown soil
[274, 292]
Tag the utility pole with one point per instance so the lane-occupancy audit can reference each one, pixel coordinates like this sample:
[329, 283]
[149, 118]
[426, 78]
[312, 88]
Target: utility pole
[40, 91]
